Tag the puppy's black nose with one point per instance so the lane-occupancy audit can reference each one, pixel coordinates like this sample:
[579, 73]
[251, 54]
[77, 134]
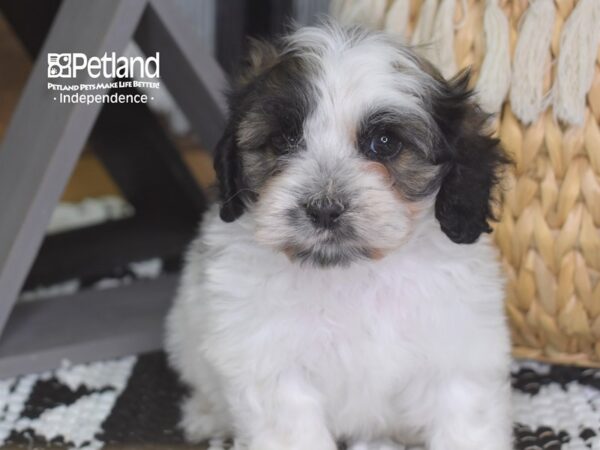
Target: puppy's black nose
[324, 214]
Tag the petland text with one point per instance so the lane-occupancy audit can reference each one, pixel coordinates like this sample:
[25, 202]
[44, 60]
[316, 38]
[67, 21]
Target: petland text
[70, 65]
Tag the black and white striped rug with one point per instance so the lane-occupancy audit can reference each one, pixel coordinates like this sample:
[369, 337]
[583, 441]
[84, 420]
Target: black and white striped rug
[133, 402]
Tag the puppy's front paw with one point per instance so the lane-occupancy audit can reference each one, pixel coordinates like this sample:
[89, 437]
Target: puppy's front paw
[376, 445]
[472, 415]
[201, 421]
[273, 442]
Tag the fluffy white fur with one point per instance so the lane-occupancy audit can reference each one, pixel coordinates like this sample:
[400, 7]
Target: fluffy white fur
[412, 347]
[408, 349]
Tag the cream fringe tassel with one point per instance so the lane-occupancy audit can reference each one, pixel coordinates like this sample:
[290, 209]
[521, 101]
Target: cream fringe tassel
[443, 39]
[365, 12]
[397, 18]
[530, 61]
[576, 62]
[424, 28]
[494, 78]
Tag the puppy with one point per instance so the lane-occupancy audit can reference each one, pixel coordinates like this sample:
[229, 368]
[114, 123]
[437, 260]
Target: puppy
[344, 291]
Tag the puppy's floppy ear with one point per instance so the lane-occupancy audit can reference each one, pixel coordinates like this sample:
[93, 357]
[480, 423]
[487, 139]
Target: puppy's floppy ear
[472, 159]
[229, 174]
[227, 162]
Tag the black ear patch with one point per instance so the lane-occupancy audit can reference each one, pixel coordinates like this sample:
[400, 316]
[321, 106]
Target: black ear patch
[229, 173]
[227, 159]
[269, 99]
[473, 163]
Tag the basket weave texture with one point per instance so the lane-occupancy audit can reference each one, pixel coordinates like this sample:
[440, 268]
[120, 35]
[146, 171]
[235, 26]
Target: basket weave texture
[549, 228]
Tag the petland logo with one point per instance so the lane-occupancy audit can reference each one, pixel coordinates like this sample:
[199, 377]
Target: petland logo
[69, 65]
[125, 79]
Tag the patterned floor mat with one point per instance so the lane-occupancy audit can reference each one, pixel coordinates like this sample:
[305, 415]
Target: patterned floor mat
[133, 403]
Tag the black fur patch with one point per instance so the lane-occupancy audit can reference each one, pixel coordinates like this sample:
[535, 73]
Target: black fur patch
[472, 162]
[267, 109]
[229, 172]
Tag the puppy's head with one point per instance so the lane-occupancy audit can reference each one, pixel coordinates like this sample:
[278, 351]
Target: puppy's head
[340, 141]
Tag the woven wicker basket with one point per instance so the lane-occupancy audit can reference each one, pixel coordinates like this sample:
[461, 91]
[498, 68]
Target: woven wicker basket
[549, 232]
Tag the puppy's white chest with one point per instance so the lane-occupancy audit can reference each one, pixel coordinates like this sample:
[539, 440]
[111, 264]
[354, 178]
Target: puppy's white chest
[355, 346]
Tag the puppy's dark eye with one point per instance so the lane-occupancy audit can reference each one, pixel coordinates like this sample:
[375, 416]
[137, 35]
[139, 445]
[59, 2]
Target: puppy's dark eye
[285, 142]
[381, 145]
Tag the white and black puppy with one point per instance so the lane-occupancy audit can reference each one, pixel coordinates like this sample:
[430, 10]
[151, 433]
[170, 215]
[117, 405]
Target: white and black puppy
[345, 292]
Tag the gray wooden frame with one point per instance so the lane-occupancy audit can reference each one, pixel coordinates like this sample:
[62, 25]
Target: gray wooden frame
[37, 155]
